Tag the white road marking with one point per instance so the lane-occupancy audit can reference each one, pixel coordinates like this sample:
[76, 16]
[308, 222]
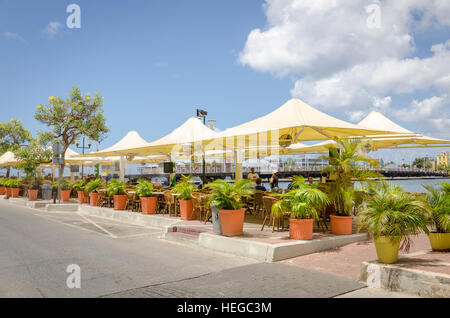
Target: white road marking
[96, 225]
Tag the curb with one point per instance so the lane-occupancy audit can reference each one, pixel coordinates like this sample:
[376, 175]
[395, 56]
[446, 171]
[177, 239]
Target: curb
[412, 281]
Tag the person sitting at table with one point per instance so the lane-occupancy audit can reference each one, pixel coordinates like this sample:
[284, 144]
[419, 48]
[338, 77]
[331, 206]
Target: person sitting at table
[274, 181]
[259, 185]
[157, 183]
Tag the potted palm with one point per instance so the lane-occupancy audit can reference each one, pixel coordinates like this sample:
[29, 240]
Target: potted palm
[92, 187]
[343, 170]
[439, 202]
[33, 190]
[302, 204]
[117, 189]
[79, 188]
[185, 188]
[2, 186]
[14, 186]
[391, 216]
[144, 190]
[227, 198]
[66, 189]
[7, 188]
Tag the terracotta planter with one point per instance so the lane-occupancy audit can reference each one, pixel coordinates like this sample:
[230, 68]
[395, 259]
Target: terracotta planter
[80, 197]
[8, 192]
[387, 251]
[301, 229]
[86, 199]
[120, 202]
[2, 190]
[232, 222]
[15, 192]
[93, 198]
[148, 205]
[341, 225]
[440, 241]
[32, 195]
[186, 209]
[65, 195]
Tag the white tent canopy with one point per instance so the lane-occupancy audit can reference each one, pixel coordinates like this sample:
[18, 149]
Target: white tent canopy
[408, 139]
[131, 140]
[8, 159]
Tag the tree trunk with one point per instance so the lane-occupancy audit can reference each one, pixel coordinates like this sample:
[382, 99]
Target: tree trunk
[8, 170]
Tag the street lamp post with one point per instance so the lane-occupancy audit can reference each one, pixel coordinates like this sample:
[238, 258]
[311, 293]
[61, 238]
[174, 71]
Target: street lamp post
[203, 113]
[83, 147]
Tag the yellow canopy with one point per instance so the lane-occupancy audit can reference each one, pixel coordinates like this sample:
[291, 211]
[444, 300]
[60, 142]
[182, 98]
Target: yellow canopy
[131, 140]
[292, 122]
[8, 159]
[375, 119]
[181, 141]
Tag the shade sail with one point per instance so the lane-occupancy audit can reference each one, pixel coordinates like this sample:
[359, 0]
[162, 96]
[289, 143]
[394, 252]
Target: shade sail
[180, 141]
[131, 140]
[408, 139]
[296, 121]
[8, 159]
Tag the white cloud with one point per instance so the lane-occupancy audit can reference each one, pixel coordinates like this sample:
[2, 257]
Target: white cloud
[52, 29]
[337, 61]
[12, 36]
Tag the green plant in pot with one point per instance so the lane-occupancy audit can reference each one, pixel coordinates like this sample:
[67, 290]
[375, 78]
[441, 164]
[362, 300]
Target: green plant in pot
[144, 189]
[2, 186]
[79, 187]
[117, 189]
[92, 187]
[185, 188]
[227, 198]
[303, 205]
[392, 216]
[439, 202]
[343, 171]
[14, 186]
[66, 189]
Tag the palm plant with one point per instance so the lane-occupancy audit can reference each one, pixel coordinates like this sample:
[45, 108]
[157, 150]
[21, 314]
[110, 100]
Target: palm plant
[344, 170]
[13, 183]
[391, 212]
[144, 188]
[3, 182]
[303, 202]
[228, 196]
[94, 185]
[439, 203]
[65, 185]
[79, 185]
[185, 187]
[115, 187]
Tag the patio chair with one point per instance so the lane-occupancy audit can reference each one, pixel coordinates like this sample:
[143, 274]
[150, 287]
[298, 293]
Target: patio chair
[196, 202]
[268, 201]
[258, 205]
[169, 202]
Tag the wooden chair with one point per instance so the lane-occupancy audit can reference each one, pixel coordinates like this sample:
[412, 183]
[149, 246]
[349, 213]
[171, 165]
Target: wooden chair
[258, 205]
[130, 201]
[169, 202]
[197, 202]
[268, 201]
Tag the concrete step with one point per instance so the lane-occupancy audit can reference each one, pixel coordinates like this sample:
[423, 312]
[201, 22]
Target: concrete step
[182, 237]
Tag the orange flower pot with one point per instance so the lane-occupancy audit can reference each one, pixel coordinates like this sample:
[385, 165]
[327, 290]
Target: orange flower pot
[2, 190]
[301, 229]
[86, 199]
[80, 197]
[8, 192]
[65, 195]
[15, 192]
[148, 205]
[32, 195]
[232, 222]
[341, 225]
[93, 198]
[187, 209]
[120, 202]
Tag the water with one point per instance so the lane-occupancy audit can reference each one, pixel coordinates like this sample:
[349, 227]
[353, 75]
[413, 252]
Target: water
[409, 185]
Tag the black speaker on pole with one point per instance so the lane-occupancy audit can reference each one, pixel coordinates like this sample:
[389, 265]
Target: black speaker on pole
[168, 167]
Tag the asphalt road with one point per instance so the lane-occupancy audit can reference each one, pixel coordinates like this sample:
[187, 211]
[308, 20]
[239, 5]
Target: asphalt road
[122, 260]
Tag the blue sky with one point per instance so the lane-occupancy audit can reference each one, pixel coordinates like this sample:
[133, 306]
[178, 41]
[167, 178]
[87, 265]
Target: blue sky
[156, 61]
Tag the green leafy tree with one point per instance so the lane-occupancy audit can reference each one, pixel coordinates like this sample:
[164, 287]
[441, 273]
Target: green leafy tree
[12, 136]
[72, 117]
[344, 169]
[31, 157]
[422, 163]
